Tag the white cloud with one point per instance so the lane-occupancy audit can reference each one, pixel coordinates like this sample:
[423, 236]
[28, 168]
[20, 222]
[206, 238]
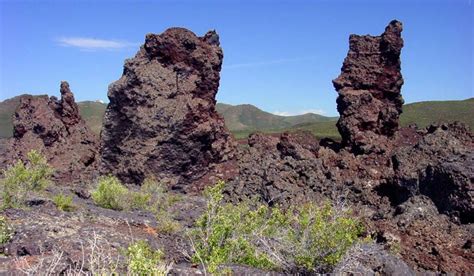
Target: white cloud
[300, 112]
[89, 44]
[268, 62]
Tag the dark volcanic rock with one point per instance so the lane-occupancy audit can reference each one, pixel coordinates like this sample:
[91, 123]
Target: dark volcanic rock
[427, 240]
[369, 99]
[440, 166]
[54, 128]
[278, 169]
[161, 120]
[371, 259]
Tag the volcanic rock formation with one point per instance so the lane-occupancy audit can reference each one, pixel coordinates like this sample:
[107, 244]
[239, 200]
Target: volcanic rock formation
[413, 188]
[161, 120]
[369, 99]
[54, 128]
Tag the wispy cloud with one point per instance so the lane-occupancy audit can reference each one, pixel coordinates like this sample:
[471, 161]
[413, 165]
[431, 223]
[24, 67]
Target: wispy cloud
[91, 44]
[268, 62]
[299, 112]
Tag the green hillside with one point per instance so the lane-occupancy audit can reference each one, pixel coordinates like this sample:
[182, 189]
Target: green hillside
[245, 119]
[92, 113]
[420, 113]
[426, 113]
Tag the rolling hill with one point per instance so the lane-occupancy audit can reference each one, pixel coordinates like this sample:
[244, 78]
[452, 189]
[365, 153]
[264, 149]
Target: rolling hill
[245, 119]
[248, 117]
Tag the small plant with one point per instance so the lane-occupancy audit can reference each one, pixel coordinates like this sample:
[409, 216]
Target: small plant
[222, 233]
[110, 193]
[306, 239]
[143, 260]
[64, 202]
[6, 231]
[21, 178]
[159, 201]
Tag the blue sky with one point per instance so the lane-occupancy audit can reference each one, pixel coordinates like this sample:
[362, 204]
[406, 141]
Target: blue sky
[278, 55]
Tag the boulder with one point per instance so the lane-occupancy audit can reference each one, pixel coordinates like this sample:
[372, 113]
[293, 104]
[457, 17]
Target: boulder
[371, 259]
[369, 101]
[161, 121]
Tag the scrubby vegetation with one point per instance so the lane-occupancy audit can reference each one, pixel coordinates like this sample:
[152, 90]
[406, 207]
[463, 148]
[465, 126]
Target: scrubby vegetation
[110, 193]
[22, 178]
[64, 202]
[6, 231]
[307, 238]
[143, 260]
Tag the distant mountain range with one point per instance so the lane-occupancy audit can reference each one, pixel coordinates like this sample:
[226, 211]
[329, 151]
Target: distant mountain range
[245, 119]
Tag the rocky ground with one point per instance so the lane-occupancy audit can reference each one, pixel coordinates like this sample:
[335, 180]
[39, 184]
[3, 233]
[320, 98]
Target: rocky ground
[412, 188]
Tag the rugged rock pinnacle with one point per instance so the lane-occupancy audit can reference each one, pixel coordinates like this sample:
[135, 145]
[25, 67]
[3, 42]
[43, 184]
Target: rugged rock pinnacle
[369, 86]
[55, 128]
[161, 121]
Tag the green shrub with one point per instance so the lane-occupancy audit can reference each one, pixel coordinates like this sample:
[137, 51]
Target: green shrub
[143, 260]
[159, 204]
[21, 178]
[110, 193]
[63, 202]
[302, 239]
[6, 231]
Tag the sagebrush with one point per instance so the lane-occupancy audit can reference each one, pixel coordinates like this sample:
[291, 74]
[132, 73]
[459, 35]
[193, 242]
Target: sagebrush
[19, 180]
[64, 202]
[6, 231]
[152, 196]
[307, 238]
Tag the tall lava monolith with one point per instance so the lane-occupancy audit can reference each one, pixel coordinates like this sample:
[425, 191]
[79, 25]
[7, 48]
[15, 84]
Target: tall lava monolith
[55, 129]
[369, 100]
[161, 121]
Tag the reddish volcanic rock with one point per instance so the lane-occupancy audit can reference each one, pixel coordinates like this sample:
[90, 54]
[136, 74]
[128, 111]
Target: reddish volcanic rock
[161, 120]
[54, 128]
[369, 86]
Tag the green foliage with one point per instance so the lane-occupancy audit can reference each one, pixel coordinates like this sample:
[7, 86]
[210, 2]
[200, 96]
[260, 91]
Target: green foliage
[6, 231]
[22, 178]
[64, 202]
[143, 260]
[307, 238]
[159, 202]
[110, 193]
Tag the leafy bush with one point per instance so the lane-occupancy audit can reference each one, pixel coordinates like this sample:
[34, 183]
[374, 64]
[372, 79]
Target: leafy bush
[6, 231]
[63, 202]
[21, 178]
[110, 193]
[302, 239]
[143, 260]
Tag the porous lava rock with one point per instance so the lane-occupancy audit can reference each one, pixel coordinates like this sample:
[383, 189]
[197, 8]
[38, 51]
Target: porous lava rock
[55, 129]
[369, 101]
[413, 188]
[440, 166]
[371, 259]
[161, 120]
